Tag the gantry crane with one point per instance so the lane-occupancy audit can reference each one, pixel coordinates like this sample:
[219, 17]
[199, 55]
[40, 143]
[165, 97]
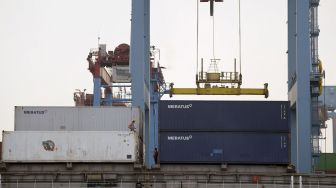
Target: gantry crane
[299, 78]
[304, 79]
[145, 92]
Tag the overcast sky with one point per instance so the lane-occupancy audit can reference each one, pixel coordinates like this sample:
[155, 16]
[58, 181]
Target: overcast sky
[44, 45]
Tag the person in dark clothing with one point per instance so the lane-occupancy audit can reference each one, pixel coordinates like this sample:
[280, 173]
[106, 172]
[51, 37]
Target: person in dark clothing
[156, 155]
[131, 126]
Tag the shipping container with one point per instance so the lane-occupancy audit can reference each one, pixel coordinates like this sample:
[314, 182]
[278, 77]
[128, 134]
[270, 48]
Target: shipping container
[269, 116]
[29, 118]
[69, 146]
[327, 163]
[224, 147]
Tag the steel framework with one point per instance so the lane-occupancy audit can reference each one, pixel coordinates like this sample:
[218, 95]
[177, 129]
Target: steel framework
[299, 72]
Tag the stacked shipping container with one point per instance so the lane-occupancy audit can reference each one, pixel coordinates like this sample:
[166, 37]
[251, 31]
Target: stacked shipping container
[73, 134]
[248, 132]
[30, 118]
[244, 132]
[69, 146]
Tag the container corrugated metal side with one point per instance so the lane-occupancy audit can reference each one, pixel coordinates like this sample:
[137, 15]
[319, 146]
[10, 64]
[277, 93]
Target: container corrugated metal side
[327, 162]
[270, 116]
[224, 147]
[69, 146]
[29, 118]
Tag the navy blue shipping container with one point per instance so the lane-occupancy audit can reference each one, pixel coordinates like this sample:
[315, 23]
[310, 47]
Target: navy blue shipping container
[224, 147]
[256, 116]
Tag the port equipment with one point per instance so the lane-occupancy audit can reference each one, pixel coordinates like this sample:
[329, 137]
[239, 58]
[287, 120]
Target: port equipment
[304, 79]
[108, 69]
[148, 86]
[300, 29]
[147, 81]
[219, 91]
[215, 82]
[304, 82]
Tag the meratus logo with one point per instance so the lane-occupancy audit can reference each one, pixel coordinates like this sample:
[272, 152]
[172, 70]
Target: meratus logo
[173, 138]
[35, 112]
[179, 106]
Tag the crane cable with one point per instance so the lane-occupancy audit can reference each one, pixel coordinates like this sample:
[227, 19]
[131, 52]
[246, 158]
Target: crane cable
[239, 17]
[213, 36]
[197, 38]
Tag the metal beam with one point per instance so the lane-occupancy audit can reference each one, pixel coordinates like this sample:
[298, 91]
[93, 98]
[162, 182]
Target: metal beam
[219, 91]
[303, 101]
[291, 51]
[96, 91]
[292, 93]
[299, 59]
[140, 69]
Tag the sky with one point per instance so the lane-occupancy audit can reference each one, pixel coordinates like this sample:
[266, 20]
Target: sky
[44, 45]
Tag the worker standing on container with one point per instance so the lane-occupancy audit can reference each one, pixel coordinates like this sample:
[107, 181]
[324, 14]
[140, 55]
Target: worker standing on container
[131, 126]
[156, 155]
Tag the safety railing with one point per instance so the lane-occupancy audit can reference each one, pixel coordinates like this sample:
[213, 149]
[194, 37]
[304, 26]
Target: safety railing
[172, 184]
[222, 77]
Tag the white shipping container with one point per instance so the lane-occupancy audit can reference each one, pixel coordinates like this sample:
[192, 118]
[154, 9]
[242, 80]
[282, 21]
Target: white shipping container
[69, 146]
[28, 118]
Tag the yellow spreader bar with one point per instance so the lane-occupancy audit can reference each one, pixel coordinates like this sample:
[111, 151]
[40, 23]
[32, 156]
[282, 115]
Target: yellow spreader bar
[219, 91]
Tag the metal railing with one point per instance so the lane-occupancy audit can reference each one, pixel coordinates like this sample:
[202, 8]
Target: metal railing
[224, 76]
[174, 184]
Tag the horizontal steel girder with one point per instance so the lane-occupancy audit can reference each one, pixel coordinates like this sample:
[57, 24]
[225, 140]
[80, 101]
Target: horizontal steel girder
[219, 91]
